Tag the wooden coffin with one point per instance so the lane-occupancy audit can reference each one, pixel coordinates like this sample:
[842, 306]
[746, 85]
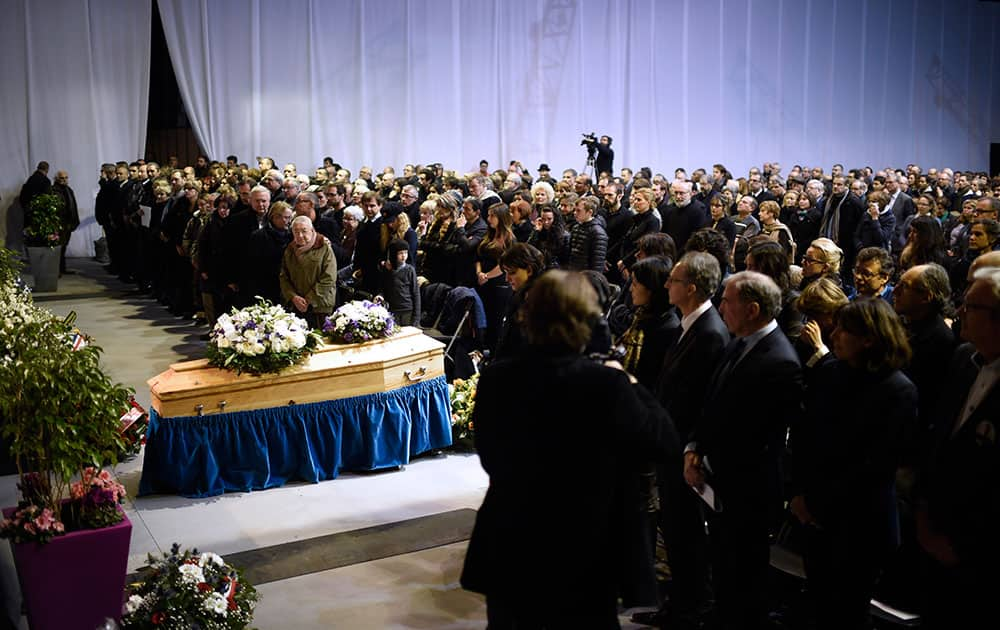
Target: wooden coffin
[195, 388]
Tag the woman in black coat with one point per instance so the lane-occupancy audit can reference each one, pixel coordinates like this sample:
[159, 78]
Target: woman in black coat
[522, 264]
[653, 329]
[439, 245]
[846, 452]
[267, 246]
[546, 547]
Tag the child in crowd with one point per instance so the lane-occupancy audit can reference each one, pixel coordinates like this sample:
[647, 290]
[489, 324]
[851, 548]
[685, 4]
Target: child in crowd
[399, 284]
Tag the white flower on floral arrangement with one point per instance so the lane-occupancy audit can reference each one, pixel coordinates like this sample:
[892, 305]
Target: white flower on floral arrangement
[216, 603]
[134, 603]
[192, 573]
[209, 557]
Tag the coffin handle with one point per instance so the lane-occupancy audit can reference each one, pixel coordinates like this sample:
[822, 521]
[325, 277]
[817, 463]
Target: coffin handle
[417, 376]
[199, 409]
[222, 405]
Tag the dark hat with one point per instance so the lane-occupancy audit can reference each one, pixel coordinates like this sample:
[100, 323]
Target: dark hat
[543, 167]
[398, 245]
[391, 210]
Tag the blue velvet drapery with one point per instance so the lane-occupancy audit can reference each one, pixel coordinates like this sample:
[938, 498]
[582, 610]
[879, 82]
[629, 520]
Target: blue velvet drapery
[252, 450]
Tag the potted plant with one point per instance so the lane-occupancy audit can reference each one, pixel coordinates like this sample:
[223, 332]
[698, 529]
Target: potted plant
[41, 237]
[60, 415]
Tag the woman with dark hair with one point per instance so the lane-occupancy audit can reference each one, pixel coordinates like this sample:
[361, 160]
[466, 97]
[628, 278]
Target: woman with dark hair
[770, 258]
[804, 222]
[551, 237]
[527, 434]
[492, 287]
[522, 264]
[721, 221]
[653, 328]
[711, 242]
[654, 322]
[924, 244]
[984, 234]
[846, 452]
[720, 175]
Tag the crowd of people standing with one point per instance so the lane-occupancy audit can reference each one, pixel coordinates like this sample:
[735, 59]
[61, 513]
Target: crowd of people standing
[792, 341]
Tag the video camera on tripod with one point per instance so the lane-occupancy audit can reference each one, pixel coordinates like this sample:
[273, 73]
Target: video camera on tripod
[590, 141]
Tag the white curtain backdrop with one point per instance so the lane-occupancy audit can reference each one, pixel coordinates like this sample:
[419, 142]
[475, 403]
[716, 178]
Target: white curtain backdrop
[75, 85]
[679, 83]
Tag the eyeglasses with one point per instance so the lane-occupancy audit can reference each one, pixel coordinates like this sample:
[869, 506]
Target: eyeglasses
[866, 274]
[813, 261]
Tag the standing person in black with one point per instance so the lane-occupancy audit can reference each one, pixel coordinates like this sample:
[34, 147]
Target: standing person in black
[605, 160]
[218, 270]
[530, 581]
[369, 250]
[959, 491]
[738, 443]
[469, 232]
[551, 238]
[841, 217]
[618, 220]
[522, 264]
[653, 328]
[847, 449]
[37, 184]
[588, 242]
[683, 215]
[682, 387]
[491, 283]
[644, 221]
[69, 215]
[264, 253]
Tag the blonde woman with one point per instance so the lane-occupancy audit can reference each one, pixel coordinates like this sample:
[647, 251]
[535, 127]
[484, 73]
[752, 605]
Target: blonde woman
[822, 260]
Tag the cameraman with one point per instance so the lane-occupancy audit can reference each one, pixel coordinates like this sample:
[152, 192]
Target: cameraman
[604, 162]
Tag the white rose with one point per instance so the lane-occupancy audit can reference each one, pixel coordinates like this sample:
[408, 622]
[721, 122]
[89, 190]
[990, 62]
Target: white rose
[192, 574]
[208, 557]
[223, 342]
[134, 603]
[216, 603]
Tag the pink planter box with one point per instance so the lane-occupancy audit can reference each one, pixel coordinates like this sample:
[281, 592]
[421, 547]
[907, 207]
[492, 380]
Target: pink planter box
[76, 580]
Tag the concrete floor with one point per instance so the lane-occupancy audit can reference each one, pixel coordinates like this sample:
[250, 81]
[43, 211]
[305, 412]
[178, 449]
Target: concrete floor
[413, 590]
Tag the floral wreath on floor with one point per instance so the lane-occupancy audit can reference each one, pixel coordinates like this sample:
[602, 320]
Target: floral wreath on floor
[463, 401]
[359, 321]
[259, 339]
[187, 589]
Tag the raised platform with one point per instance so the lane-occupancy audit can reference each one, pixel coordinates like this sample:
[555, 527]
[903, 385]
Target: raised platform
[357, 407]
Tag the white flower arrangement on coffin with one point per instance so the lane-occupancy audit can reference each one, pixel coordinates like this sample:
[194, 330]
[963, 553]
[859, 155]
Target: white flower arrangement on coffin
[360, 321]
[259, 339]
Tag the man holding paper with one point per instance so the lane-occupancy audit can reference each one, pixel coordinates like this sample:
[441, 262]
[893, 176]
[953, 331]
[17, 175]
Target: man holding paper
[738, 444]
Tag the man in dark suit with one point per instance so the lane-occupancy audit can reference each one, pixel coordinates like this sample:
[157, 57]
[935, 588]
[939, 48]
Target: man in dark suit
[901, 205]
[688, 366]
[757, 190]
[684, 215]
[37, 184]
[959, 512]
[738, 442]
[841, 217]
